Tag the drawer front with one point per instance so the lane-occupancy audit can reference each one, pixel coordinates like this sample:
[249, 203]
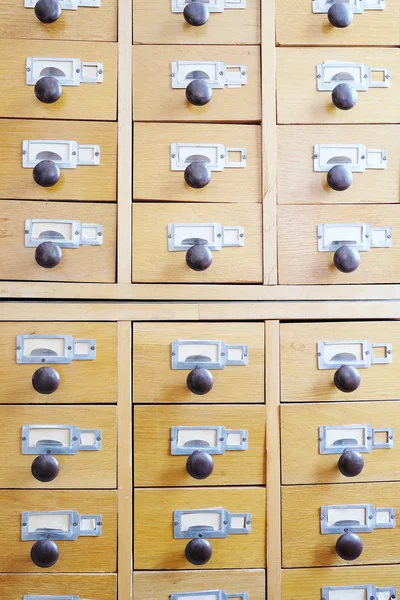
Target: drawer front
[81, 102]
[153, 261]
[155, 179]
[297, 25]
[101, 587]
[77, 468]
[311, 454]
[234, 551]
[152, 349]
[300, 261]
[160, 586]
[304, 546]
[84, 182]
[85, 554]
[296, 164]
[84, 263]
[81, 381]
[161, 453]
[156, 100]
[299, 100]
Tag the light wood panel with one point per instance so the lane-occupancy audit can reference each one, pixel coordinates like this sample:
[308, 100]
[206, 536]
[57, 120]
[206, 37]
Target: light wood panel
[85, 264]
[297, 25]
[160, 585]
[86, 554]
[101, 587]
[301, 380]
[86, 102]
[92, 381]
[153, 262]
[156, 100]
[153, 515]
[301, 263]
[152, 362]
[155, 466]
[299, 101]
[299, 184]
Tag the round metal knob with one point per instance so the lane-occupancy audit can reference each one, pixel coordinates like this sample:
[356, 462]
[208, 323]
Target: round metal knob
[199, 257]
[198, 92]
[198, 551]
[346, 259]
[340, 15]
[48, 255]
[349, 546]
[200, 381]
[347, 379]
[44, 553]
[200, 464]
[197, 175]
[351, 463]
[344, 96]
[339, 178]
[45, 468]
[196, 13]
[45, 380]
[48, 90]
[47, 11]
[46, 173]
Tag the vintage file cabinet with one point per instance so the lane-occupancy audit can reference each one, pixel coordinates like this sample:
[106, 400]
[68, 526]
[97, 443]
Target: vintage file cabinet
[74, 80]
[235, 530]
[80, 361]
[230, 357]
[36, 587]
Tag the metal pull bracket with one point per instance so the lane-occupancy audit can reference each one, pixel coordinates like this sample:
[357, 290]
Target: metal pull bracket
[182, 236]
[212, 354]
[59, 439]
[357, 6]
[358, 353]
[66, 233]
[363, 518]
[356, 157]
[358, 592]
[68, 71]
[210, 523]
[361, 236]
[216, 440]
[333, 439]
[67, 154]
[53, 349]
[209, 595]
[59, 525]
[214, 72]
[214, 6]
[68, 5]
[215, 156]
[331, 72]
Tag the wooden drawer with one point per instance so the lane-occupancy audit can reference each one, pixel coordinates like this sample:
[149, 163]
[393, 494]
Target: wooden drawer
[304, 546]
[296, 165]
[160, 586]
[101, 587]
[154, 262]
[300, 262]
[156, 100]
[307, 584]
[302, 381]
[155, 381]
[95, 102]
[85, 554]
[299, 100]
[297, 25]
[244, 552]
[155, 180]
[302, 460]
[155, 465]
[238, 26]
[84, 469]
[81, 381]
[84, 264]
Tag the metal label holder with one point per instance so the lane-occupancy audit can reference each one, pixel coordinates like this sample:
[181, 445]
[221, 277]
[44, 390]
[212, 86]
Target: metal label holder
[48, 356]
[357, 6]
[67, 154]
[371, 592]
[221, 436]
[347, 441]
[212, 594]
[372, 519]
[51, 446]
[215, 156]
[69, 71]
[331, 72]
[68, 5]
[365, 360]
[214, 72]
[214, 6]
[207, 531]
[182, 236]
[355, 157]
[75, 530]
[360, 236]
[221, 352]
[38, 231]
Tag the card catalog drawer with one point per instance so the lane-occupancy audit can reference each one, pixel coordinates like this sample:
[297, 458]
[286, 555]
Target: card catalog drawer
[75, 587]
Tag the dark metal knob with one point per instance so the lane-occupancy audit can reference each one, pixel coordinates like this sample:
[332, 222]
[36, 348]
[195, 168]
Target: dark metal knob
[48, 255]
[198, 92]
[200, 381]
[349, 546]
[45, 468]
[344, 96]
[46, 173]
[346, 259]
[339, 178]
[199, 257]
[340, 15]
[197, 175]
[46, 380]
[198, 551]
[347, 379]
[47, 11]
[351, 463]
[196, 13]
[200, 464]
[44, 553]
[48, 90]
